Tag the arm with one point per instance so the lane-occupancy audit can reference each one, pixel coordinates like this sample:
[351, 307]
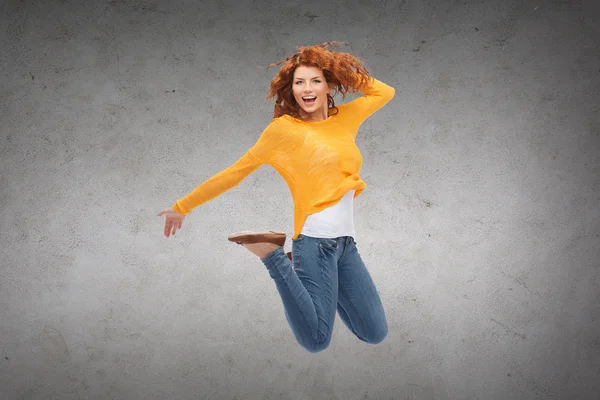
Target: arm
[219, 183]
[231, 177]
[375, 95]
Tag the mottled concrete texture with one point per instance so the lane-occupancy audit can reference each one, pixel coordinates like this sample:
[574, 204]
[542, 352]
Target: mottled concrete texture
[480, 221]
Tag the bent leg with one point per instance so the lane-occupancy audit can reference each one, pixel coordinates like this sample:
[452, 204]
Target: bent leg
[359, 305]
[309, 291]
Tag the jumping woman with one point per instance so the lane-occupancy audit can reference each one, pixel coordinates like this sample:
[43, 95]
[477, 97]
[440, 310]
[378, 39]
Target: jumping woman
[311, 143]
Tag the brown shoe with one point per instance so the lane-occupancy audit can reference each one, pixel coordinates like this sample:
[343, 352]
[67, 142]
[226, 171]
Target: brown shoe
[277, 238]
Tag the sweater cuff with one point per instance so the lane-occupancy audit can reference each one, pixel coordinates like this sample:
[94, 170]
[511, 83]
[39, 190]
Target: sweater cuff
[179, 209]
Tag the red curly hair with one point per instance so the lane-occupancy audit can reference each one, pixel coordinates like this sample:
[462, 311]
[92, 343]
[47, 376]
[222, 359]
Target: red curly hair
[343, 71]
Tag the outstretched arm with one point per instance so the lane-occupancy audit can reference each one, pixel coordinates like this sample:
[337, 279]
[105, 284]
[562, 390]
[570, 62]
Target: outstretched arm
[215, 186]
[218, 184]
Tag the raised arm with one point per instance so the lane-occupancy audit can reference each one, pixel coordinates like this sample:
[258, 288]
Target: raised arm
[375, 95]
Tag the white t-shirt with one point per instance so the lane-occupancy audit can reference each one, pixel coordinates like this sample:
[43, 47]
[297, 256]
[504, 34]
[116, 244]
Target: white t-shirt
[332, 222]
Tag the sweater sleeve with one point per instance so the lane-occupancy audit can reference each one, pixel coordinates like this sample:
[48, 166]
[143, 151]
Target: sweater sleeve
[230, 177]
[219, 183]
[375, 96]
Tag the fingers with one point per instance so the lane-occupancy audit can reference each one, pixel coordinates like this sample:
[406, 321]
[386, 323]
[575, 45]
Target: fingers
[168, 227]
[171, 227]
[171, 223]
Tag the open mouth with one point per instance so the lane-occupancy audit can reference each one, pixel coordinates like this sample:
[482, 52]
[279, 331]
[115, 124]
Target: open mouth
[309, 100]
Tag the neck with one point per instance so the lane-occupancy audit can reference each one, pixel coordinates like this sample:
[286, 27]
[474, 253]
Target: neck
[314, 117]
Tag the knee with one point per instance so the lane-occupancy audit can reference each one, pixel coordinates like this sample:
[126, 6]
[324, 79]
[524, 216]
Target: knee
[316, 346]
[377, 336]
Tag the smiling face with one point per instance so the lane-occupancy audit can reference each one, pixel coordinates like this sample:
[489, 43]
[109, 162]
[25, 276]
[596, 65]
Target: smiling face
[310, 83]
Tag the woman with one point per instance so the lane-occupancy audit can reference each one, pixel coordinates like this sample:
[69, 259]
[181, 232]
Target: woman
[311, 143]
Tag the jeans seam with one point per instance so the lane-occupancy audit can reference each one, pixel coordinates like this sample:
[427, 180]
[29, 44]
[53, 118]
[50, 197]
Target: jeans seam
[321, 262]
[344, 253]
[343, 293]
[314, 330]
[300, 308]
[362, 324]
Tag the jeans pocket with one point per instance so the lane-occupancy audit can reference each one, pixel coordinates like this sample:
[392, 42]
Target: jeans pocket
[326, 243]
[298, 239]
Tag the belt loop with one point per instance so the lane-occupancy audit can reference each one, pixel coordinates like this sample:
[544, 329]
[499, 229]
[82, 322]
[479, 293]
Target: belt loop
[345, 240]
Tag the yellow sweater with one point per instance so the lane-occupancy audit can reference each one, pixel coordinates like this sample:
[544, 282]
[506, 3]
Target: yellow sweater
[319, 160]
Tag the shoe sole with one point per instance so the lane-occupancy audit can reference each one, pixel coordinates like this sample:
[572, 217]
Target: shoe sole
[247, 237]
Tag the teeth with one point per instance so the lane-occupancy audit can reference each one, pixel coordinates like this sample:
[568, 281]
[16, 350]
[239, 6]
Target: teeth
[309, 98]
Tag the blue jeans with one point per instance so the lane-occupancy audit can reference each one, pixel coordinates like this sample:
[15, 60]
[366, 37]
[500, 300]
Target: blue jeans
[327, 274]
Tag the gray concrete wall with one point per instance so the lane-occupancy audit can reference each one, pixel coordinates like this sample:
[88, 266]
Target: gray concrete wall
[480, 222]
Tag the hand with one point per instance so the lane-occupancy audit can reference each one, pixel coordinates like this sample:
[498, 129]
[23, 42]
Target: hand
[173, 221]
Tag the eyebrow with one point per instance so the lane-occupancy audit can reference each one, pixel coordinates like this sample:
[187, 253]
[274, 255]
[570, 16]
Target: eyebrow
[316, 77]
